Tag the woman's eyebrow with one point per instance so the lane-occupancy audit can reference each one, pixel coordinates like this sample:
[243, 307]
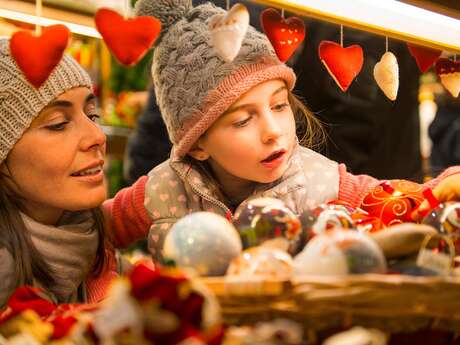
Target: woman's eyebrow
[58, 103]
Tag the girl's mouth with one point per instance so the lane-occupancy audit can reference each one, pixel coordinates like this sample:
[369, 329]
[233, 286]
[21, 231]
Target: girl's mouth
[274, 155]
[274, 160]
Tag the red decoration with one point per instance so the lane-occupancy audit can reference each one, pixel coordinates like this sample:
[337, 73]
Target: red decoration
[366, 223]
[37, 56]
[393, 201]
[128, 39]
[151, 283]
[284, 34]
[449, 74]
[343, 64]
[424, 57]
[446, 66]
[25, 298]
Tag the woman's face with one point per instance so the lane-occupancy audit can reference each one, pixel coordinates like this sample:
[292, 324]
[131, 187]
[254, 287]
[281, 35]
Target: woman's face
[255, 137]
[57, 164]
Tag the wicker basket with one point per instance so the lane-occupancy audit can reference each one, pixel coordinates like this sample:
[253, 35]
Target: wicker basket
[249, 300]
[392, 303]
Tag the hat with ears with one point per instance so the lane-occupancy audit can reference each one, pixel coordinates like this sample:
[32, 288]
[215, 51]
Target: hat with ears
[193, 84]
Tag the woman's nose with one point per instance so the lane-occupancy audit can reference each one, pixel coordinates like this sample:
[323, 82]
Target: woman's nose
[94, 137]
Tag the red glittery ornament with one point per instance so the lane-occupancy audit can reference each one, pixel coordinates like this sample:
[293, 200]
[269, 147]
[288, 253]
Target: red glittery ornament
[393, 201]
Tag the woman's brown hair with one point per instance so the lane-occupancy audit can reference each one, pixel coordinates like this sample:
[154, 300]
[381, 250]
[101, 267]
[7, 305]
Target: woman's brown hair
[14, 237]
[310, 130]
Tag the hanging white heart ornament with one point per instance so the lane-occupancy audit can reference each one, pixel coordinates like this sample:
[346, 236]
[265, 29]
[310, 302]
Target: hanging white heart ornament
[228, 31]
[452, 83]
[386, 74]
[449, 73]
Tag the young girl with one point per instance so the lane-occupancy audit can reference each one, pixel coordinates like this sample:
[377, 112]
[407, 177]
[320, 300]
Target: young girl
[233, 129]
[51, 185]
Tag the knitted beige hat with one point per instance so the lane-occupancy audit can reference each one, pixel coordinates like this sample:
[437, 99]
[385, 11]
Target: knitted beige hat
[20, 102]
[193, 84]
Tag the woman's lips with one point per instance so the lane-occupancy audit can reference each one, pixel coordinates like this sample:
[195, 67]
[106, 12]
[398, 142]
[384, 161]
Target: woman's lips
[93, 178]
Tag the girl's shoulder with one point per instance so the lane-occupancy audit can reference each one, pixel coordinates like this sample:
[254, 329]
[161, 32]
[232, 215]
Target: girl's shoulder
[165, 194]
[163, 178]
[311, 159]
[311, 179]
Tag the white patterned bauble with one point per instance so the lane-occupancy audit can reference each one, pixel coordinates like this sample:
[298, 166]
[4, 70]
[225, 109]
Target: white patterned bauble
[203, 241]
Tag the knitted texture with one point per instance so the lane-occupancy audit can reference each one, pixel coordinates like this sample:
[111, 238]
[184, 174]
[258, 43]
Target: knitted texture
[193, 84]
[20, 102]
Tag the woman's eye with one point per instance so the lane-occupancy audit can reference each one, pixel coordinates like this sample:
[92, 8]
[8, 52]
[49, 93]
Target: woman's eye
[243, 122]
[58, 126]
[280, 106]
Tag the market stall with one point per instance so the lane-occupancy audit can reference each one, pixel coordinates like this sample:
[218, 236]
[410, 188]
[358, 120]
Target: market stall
[282, 274]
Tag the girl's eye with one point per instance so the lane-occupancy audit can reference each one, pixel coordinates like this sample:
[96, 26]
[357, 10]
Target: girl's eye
[94, 117]
[243, 122]
[58, 126]
[280, 106]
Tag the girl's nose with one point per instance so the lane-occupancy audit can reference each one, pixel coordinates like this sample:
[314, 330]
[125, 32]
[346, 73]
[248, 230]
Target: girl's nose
[271, 128]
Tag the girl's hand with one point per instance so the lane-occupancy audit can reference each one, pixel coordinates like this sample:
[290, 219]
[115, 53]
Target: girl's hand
[446, 190]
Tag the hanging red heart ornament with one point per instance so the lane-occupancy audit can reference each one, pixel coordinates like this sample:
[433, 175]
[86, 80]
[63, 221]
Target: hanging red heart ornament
[37, 56]
[424, 57]
[285, 35]
[343, 64]
[128, 39]
[449, 73]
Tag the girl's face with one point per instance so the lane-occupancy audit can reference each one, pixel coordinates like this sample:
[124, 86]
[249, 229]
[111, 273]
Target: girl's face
[255, 137]
[57, 163]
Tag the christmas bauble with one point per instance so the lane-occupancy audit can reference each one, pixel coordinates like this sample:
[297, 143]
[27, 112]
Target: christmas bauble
[393, 201]
[325, 217]
[203, 241]
[366, 223]
[262, 261]
[446, 219]
[339, 252]
[267, 219]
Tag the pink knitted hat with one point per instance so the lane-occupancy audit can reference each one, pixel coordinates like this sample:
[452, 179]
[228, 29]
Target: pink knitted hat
[193, 84]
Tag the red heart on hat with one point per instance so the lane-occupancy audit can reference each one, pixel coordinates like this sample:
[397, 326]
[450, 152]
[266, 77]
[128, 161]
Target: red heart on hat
[128, 39]
[343, 64]
[37, 56]
[285, 35]
[424, 57]
[449, 73]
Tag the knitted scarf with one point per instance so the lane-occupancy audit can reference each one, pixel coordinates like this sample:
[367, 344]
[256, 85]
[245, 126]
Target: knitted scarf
[68, 248]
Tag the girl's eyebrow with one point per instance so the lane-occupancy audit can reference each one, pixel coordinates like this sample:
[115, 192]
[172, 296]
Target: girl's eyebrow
[242, 106]
[90, 97]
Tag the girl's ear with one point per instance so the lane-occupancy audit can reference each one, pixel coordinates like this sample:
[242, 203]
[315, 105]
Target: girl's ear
[198, 153]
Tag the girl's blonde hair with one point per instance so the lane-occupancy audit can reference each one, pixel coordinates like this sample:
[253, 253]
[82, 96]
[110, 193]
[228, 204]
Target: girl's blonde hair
[310, 130]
